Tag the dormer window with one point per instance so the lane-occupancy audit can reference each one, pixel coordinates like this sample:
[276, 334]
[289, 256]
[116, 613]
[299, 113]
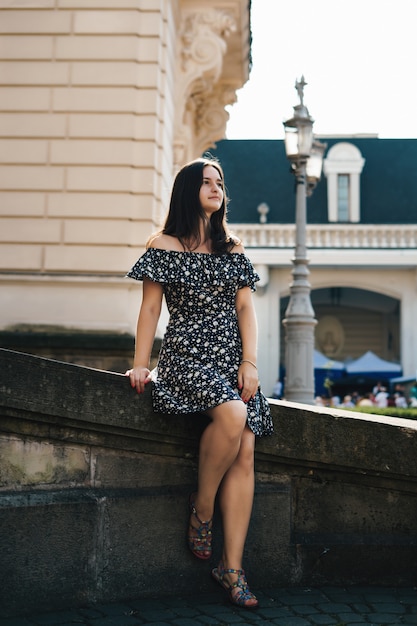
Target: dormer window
[342, 167]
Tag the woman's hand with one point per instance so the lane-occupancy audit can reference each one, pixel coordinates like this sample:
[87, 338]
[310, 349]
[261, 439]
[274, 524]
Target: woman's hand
[139, 377]
[247, 381]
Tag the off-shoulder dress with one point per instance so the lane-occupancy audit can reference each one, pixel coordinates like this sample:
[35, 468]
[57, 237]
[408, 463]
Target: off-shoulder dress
[201, 350]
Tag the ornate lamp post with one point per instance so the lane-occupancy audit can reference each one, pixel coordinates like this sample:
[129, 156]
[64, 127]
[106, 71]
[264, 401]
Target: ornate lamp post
[305, 155]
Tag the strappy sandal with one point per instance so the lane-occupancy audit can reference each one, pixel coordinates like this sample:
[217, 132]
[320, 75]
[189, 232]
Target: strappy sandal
[244, 596]
[199, 537]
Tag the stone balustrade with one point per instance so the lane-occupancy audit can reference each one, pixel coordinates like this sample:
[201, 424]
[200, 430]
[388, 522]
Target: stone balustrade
[337, 236]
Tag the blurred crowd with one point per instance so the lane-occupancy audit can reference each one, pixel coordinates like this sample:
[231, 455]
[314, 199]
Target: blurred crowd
[379, 397]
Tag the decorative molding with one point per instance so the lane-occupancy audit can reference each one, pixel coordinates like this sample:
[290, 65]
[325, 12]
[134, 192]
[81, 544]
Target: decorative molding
[211, 116]
[202, 94]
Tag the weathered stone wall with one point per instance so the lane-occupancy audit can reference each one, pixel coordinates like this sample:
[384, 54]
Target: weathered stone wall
[94, 485]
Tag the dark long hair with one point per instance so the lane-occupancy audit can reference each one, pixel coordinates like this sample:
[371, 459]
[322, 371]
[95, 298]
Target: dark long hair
[185, 210]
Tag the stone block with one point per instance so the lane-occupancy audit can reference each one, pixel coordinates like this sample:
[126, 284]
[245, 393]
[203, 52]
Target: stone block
[28, 462]
[47, 549]
[34, 73]
[27, 4]
[29, 230]
[114, 179]
[138, 532]
[31, 177]
[106, 22]
[92, 152]
[104, 73]
[146, 207]
[269, 538]
[26, 203]
[148, 102]
[149, 5]
[32, 125]
[104, 125]
[144, 180]
[118, 22]
[24, 98]
[100, 205]
[117, 74]
[23, 151]
[110, 47]
[97, 99]
[15, 257]
[105, 4]
[26, 47]
[150, 50]
[106, 47]
[147, 127]
[102, 232]
[111, 301]
[329, 510]
[101, 259]
[35, 22]
[145, 471]
[145, 154]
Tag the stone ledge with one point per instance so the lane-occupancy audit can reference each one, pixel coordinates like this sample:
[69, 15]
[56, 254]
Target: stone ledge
[62, 395]
[92, 482]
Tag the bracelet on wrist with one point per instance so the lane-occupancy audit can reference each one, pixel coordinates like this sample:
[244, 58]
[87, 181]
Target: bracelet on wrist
[251, 362]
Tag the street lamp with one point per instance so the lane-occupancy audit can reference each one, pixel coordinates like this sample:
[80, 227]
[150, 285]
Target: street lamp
[306, 156]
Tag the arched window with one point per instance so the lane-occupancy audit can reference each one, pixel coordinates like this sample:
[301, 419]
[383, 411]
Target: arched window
[342, 167]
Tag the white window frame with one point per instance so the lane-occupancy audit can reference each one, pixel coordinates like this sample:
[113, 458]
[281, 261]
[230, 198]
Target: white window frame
[343, 158]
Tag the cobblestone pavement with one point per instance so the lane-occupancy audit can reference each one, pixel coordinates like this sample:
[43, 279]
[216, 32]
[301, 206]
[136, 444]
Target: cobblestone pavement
[332, 606]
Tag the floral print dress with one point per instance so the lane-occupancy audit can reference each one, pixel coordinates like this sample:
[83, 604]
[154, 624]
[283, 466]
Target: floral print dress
[201, 350]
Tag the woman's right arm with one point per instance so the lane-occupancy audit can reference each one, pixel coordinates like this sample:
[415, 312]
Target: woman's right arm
[145, 334]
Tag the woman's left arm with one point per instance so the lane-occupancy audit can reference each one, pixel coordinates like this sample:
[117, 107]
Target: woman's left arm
[248, 373]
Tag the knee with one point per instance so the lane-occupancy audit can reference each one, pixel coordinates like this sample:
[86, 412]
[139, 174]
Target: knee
[233, 416]
[246, 456]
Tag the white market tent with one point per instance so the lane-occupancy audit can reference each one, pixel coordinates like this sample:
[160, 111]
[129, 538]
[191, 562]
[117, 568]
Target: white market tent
[369, 364]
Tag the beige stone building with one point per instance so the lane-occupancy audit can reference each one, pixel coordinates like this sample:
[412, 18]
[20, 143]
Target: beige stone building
[101, 101]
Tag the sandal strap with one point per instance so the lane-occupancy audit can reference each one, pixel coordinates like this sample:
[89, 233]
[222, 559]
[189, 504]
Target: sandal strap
[200, 537]
[201, 541]
[244, 594]
[200, 521]
[239, 572]
[241, 581]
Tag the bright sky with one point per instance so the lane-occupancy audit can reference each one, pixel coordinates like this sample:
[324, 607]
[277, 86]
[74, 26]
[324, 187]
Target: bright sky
[358, 57]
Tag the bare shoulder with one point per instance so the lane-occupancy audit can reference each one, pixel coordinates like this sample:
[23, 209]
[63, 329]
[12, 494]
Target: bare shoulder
[238, 248]
[165, 242]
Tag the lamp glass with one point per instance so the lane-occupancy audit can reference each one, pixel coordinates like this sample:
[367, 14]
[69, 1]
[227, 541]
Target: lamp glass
[305, 138]
[298, 137]
[314, 165]
[291, 141]
[315, 162]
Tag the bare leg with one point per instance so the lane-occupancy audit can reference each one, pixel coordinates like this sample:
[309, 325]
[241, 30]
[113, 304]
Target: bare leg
[236, 500]
[219, 448]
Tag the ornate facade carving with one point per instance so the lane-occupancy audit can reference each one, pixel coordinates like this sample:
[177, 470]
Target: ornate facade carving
[202, 90]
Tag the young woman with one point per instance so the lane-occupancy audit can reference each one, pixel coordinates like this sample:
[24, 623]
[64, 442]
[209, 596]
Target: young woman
[207, 362]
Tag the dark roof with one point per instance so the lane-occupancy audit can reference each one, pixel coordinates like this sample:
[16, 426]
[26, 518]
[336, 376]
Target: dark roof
[257, 170]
